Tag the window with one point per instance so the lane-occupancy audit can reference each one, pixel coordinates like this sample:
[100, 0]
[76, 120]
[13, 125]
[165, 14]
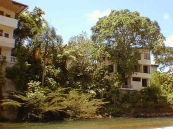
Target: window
[144, 83]
[126, 83]
[110, 68]
[6, 35]
[1, 32]
[146, 56]
[137, 79]
[146, 69]
[1, 13]
[7, 15]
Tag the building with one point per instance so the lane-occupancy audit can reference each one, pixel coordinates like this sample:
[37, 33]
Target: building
[9, 10]
[141, 78]
[8, 22]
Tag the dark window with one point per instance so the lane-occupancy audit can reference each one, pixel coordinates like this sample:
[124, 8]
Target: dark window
[6, 35]
[144, 82]
[147, 56]
[136, 79]
[1, 32]
[126, 82]
[110, 68]
[7, 15]
[146, 69]
[1, 13]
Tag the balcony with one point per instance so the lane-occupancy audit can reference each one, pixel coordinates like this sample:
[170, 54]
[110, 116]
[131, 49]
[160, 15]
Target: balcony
[10, 60]
[7, 42]
[141, 75]
[125, 88]
[6, 21]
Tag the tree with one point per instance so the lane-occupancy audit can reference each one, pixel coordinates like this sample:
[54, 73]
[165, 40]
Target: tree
[122, 34]
[164, 81]
[165, 58]
[82, 68]
[45, 43]
[87, 72]
[29, 25]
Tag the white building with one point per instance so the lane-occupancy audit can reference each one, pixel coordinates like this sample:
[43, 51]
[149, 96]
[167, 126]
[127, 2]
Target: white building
[141, 78]
[8, 22]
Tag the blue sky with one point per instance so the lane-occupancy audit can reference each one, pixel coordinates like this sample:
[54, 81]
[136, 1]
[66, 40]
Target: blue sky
[71, 17]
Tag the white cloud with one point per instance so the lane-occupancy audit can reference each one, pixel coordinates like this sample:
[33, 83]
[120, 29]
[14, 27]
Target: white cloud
[95, 15]
[166, 16]
[169, 41]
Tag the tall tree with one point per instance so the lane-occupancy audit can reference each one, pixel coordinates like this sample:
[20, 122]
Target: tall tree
[122, 34]
[43, 47]
[29, 25]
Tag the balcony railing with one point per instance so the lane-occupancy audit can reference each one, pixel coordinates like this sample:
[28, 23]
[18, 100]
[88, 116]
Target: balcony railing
[126, 86]
[8, 59]
[12, 59]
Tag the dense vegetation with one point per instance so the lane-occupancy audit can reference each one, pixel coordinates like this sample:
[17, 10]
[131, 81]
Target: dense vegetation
[56, 81]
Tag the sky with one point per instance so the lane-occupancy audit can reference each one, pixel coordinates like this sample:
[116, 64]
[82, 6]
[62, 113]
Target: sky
[72, 17]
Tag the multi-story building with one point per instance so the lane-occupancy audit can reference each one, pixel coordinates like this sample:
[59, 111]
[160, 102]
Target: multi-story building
[141, 78]
[9, 10]
[8, 22]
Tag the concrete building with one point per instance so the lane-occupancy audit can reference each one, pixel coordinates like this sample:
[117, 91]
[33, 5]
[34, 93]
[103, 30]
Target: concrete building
[8, 22]
[9, 10]
[141, 78]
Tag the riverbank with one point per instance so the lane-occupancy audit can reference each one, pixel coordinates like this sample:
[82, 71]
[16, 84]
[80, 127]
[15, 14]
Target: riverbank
[113, 123]
[141, 113]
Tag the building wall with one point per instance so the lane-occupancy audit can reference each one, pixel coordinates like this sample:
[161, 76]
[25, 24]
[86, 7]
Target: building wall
[144, 72]
[7, 25]
[11, 13]
[7, 18]
[7, 29]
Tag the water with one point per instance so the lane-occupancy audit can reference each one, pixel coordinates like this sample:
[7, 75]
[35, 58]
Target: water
[113, 123]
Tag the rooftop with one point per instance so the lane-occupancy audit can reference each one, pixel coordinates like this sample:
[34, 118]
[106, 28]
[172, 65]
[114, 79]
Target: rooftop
[13, 6]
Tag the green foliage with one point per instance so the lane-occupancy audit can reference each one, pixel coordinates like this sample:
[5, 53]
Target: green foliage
[122, 34]
[165, 58]
[164, 81]
[82, 105]
[170, 98]
[149, 96]
[37, 102]
[23, 71]
[135, 101]
[30, 24]
[56, 81]
[2, 63]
